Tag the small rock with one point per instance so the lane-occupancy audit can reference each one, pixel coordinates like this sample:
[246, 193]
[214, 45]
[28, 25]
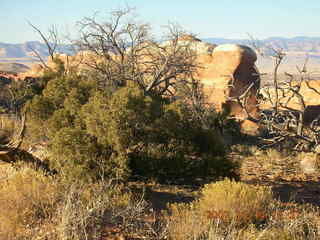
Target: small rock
[309, 163]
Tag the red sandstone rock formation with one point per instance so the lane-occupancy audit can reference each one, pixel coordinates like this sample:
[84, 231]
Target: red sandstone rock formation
[228, 73]
[8, 76]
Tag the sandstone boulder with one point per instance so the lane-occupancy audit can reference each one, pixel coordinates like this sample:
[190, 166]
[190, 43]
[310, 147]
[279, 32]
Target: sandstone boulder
[197, 45]
[227, 71]
[227, 74]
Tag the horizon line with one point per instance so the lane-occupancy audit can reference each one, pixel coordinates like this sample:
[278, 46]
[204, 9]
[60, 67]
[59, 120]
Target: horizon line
[202, 39]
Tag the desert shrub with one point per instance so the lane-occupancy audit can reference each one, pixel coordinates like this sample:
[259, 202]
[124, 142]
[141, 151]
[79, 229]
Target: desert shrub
[93, 133]
[28, 199]
[235, 201]
[125, 133]
[159, 139]
[223, 209]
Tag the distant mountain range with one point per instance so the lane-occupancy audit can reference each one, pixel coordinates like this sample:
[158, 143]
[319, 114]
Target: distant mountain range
[310, 45]
[13, 67]
[26, 50]
[300, 44]
[297, 49]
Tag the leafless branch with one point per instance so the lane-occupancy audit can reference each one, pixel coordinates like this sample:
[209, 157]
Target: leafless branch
[51, 42]
[285, 120]
[126, 52]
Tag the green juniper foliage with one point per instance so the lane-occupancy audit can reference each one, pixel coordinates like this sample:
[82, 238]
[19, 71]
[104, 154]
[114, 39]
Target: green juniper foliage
[94, 132]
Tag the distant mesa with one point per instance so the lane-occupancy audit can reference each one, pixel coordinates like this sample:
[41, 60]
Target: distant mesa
[26, 50]
[13, 67]
[297, 49]
[297, 44]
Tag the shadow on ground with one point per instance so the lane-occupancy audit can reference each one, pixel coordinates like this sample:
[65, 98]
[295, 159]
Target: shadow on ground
[159, 196]
[160, 200]
[294, 191]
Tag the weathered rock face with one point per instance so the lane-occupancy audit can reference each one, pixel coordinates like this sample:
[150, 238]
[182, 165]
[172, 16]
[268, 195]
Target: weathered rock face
[309, 163]
[197, 45]
[228, 73]
[6, 78]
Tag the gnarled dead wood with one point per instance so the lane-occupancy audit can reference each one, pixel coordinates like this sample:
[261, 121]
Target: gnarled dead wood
[15, 140]
[10, 151]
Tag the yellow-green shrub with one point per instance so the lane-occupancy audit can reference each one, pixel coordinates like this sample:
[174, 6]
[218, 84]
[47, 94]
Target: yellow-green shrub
[224, 208]
[235, 201]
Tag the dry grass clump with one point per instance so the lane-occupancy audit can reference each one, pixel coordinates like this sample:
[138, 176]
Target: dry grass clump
[35, 206]
[237, 211]
[27, 199]
[102, 210]
[88, 208]
[6, 170]
[186, 222]
[309, 162]
[294, 220]
[287, 222]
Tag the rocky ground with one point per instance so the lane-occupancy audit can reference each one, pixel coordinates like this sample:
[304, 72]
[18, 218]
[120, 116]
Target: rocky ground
[285, 176]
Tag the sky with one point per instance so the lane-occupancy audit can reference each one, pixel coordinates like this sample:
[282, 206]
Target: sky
[205, 18]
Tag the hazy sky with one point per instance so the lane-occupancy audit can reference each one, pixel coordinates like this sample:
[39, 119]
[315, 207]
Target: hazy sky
[206, 18]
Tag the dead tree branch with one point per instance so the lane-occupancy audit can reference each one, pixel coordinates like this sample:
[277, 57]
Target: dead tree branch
[51, 40]
[123, 50]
